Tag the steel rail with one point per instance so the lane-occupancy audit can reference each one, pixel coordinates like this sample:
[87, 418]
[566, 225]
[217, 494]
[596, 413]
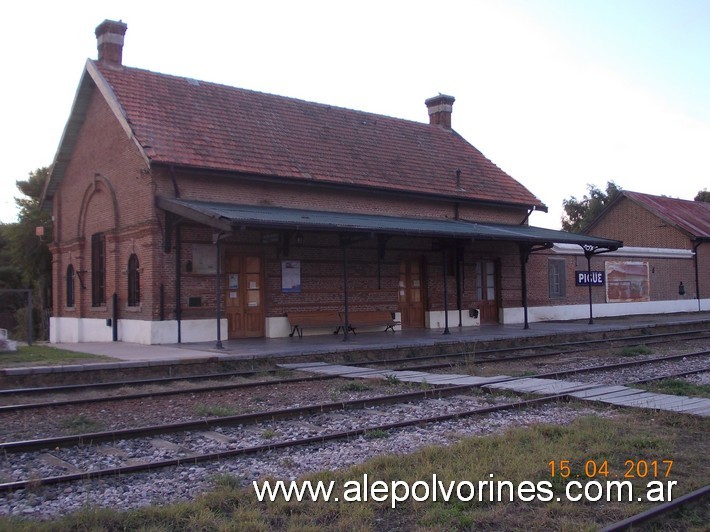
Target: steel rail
[165, 380]
[241, 419]
[649, 360]
[643, 338]
[194, 459]
[163, 393]
[658, 511]
[272, 415]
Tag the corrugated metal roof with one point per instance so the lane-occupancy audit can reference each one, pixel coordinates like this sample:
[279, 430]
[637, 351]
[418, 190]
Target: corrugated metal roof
[227, 216]
[692, 217]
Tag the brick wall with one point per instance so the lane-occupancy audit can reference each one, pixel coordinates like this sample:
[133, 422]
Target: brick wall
[636, 226]
[106, 188]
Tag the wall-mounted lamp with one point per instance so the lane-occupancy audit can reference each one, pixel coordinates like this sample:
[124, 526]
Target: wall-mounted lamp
[681, 289]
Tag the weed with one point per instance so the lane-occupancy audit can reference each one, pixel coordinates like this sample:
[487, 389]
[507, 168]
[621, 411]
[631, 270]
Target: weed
[269, 434]
[678, 387]
[80, 424]
[288, 462]
[392, 379]
[376, 434]
[354, 387]
[635, 350]
[227, 481]
[215, 410]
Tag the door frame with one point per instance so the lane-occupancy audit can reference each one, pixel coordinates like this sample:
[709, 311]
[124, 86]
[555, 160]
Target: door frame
[242, 292]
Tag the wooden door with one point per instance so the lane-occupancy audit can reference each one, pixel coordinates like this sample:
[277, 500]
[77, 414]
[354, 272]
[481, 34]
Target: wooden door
[244, 295]
[412, 293]
[487, 290]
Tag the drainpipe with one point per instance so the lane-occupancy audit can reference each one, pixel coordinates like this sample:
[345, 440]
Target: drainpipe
[178, 284]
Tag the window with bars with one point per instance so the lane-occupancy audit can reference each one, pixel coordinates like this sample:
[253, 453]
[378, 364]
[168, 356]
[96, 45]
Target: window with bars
[556, 277]
[134, 281]
[98, 270]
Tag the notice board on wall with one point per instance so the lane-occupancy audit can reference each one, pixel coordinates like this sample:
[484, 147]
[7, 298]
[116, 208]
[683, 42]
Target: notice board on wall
[291, 276]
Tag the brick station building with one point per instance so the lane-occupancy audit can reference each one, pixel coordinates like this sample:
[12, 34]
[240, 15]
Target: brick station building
[190, 211]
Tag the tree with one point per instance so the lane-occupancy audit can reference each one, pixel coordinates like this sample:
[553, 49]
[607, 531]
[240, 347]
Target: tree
[703, 195]
[580, 213]
[28, 251]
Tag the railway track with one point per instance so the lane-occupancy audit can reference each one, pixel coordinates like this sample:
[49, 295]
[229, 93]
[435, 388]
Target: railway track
[482, 357]
[62, 452]
[659, 511]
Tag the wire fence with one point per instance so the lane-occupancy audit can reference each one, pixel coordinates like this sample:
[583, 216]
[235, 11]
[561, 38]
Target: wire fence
[17, 314]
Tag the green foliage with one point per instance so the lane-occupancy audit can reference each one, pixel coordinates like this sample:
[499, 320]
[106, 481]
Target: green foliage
[28, 257]
[703, 195]
[580, 213]
[28, 252]
[635, 350]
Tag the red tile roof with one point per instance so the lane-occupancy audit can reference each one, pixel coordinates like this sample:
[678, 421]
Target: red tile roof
[197, 124]
[692, 217]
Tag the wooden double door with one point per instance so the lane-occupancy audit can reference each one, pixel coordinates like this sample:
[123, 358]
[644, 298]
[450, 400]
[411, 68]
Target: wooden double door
[243, 289]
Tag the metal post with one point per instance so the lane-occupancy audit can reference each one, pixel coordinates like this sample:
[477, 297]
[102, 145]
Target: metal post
[178, 284]
[30, 323]
[114, 304]
[446, 297]
[458, 284]
[589, 277]
[524, 255]
[346, 336]
[218, 345]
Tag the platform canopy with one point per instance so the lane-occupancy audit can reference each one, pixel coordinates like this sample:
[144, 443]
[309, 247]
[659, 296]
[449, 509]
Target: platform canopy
[229, 217]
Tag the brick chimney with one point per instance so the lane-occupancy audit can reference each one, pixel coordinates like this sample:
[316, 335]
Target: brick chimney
[440, 110]
[109, 40]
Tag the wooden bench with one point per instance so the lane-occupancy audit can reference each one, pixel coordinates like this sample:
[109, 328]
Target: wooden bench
[315, 318]
[370, 318]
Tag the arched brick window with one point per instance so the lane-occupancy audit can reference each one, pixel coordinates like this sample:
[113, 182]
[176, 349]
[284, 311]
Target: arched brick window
[134, 282]
[70, 286]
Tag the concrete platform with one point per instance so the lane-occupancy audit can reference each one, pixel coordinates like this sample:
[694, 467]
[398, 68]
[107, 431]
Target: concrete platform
[137, 355]
[614, 395]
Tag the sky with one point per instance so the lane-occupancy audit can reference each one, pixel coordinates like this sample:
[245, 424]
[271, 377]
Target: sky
[560, 94]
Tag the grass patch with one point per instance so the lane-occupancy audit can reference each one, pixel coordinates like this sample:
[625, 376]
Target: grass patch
[376, 434]
[81, 424]
[635, 350]
[522, 454]
[215, 410]
[677, 387]
[392, 380]
[269, 434]
[44, 355]
[354, 387]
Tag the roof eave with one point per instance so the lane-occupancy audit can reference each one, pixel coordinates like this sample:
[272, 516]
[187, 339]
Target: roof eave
[91, 78]
[276, 179]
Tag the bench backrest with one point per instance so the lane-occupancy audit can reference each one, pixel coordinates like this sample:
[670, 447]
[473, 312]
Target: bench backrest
[314, 318]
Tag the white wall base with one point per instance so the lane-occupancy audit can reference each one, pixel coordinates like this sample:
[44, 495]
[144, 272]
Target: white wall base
[435, 319]
[601, 310]
[75, 330]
